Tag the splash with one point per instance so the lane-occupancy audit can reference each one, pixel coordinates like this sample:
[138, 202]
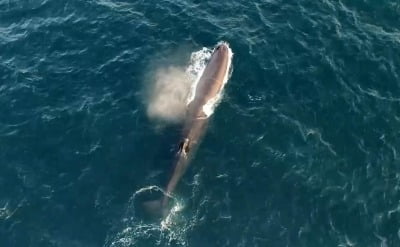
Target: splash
[133, 231]
[168, 94]
[198, 62]
[173, 88]
[169, 220]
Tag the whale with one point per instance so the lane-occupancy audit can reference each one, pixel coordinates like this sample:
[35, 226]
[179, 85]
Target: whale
[205, 94]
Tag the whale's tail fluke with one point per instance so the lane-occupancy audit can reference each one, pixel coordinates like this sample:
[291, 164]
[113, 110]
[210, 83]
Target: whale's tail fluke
[154, 208]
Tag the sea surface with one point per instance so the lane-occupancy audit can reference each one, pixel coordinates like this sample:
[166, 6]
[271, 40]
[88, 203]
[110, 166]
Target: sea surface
[302, 151]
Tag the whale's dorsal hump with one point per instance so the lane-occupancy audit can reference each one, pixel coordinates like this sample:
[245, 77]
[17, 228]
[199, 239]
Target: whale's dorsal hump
[184, 147]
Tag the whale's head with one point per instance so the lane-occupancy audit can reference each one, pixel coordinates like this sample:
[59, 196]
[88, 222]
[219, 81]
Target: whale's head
[221, 55]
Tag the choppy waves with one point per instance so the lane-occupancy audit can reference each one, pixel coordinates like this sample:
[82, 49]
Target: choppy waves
[302, 151]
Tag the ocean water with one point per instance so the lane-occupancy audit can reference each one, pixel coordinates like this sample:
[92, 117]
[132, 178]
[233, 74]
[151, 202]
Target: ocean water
[303, 149]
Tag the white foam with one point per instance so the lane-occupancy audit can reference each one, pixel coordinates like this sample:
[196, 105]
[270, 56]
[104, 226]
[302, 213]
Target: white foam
[168, 221]
[173, 88]
[167, 94]
[197, 64]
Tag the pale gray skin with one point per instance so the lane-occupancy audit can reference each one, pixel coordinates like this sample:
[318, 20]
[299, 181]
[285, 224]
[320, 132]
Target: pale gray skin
[209, 85]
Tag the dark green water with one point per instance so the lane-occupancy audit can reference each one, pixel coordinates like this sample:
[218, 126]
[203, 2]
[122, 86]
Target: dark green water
[303, 150]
